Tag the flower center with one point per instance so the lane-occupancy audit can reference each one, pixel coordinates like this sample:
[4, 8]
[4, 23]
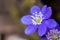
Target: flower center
[55, 37]
[37, 18]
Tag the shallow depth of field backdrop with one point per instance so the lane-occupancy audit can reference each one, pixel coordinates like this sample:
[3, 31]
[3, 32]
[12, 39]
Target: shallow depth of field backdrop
[12, 10]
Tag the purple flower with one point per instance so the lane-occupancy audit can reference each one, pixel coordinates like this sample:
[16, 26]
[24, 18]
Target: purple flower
[53, 35]
[39, 18]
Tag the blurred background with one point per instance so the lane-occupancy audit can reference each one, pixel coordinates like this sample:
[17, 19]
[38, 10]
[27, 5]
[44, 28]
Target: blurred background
[11, 11]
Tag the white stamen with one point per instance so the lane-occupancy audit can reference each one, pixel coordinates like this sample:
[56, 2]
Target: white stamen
[37, 15]
[40, 14]
[33, 17]
[35, 12]
[34, 22]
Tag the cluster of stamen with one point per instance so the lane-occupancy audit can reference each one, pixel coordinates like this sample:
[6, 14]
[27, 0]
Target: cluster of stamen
[53, 35]
[37, 18]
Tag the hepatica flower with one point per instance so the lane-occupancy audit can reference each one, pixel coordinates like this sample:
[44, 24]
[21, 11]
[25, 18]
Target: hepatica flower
[38, 19]
[53, 35]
